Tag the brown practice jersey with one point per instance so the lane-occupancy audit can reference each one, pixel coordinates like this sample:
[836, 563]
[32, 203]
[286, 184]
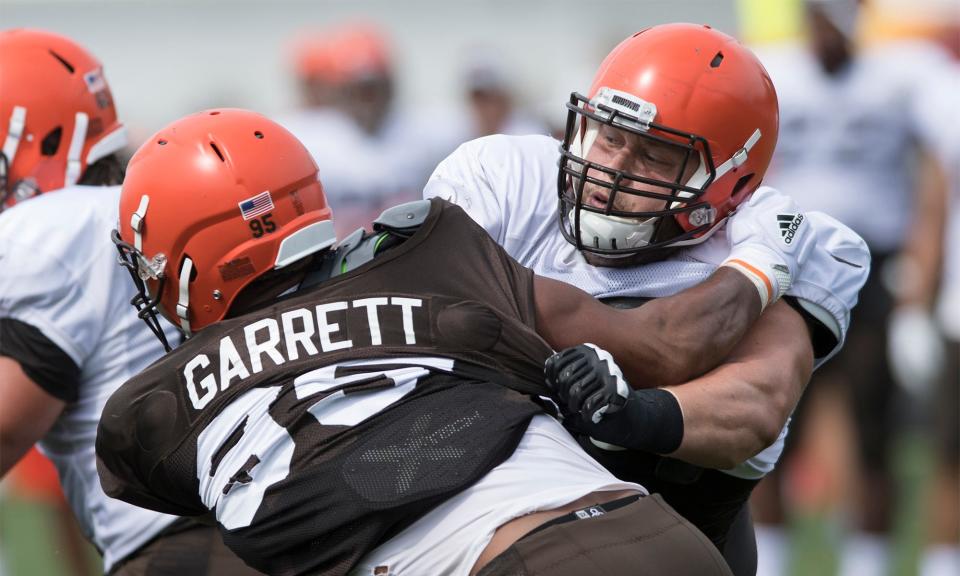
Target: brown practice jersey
[317, 427]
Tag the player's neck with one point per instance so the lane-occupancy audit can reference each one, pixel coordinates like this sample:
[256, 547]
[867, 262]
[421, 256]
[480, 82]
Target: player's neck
[266, 289]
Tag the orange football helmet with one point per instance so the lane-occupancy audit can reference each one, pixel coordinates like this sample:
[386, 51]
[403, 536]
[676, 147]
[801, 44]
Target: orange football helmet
[211, 203]
[57, 114]
[686, 86]
[360, 51]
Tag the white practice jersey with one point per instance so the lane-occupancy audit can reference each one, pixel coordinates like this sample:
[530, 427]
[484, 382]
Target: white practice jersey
[524, 483]
[845, 145]
[59, 274]
[508, 184]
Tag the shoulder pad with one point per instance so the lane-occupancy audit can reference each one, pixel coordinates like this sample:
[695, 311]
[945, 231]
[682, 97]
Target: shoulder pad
[351, 241]
[353, 251]
[403, 217]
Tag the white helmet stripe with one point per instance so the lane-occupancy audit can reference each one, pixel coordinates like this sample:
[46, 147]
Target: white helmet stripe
[76, 148]
[183, 303]
[18, 119]
[136, 222]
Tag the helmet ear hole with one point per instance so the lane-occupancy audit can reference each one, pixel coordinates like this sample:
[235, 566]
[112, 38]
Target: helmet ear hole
[51, 142]
[740, 186]
[193, 269]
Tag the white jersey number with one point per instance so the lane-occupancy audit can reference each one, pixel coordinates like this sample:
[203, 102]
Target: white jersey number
[262, 455]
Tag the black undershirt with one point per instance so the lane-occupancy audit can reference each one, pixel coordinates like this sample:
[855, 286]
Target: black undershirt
[45, 363]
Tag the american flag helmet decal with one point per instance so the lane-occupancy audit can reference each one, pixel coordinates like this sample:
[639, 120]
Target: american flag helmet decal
[256, 205]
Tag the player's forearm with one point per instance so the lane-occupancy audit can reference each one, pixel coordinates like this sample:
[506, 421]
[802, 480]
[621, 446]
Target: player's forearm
[922, 255]
[726, 420]
[664, 342]
[686, 334]
[738, 409]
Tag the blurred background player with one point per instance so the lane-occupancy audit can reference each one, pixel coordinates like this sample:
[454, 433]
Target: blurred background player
[853, 145]
[924, 346]
[372, 154]
[67, 335]
[490, 97]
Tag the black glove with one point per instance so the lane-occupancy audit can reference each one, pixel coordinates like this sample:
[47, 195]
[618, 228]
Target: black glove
[586, 382]
[596, 401]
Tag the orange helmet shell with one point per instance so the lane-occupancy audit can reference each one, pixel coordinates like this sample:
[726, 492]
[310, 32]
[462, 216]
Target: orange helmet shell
[706, 83]
[214, 201]
[57, 115]
[681, 84]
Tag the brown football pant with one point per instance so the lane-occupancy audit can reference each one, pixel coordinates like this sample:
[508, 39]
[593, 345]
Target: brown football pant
[186, 548]
[644, 538]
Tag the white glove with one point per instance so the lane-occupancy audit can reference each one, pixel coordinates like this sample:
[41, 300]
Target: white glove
[769, 241]
[915, 350]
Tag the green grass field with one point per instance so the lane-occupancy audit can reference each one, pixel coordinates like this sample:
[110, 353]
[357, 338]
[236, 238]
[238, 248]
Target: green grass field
[28, 543]
[816, 539]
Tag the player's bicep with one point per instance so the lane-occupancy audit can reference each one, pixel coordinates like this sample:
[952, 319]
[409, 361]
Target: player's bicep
[27, 412]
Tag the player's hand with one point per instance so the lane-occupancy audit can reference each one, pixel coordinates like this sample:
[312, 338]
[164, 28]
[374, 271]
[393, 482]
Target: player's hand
[586, 382]
[915, 350]
[770, 239]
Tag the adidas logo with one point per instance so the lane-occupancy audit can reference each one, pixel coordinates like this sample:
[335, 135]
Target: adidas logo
[788, 226]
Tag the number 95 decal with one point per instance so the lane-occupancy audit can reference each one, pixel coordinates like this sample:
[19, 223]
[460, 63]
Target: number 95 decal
[262, 225]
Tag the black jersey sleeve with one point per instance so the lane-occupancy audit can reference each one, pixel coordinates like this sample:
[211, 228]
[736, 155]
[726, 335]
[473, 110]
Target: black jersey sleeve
[45, 363]
[823, 339]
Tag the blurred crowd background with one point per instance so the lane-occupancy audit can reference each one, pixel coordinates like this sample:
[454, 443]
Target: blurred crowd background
[381, 91]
